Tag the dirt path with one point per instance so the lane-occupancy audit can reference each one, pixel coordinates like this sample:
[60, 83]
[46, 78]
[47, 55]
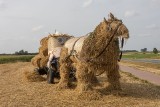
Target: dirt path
[151, 77]
[16, 92]
[156, 61]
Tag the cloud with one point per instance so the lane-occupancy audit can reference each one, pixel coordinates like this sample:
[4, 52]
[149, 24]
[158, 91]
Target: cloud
[153, 26]
[155, 3]
[2, 4]
[141, 35]
[144, 35]
[37, 28]
[87, 3]
[130, 13]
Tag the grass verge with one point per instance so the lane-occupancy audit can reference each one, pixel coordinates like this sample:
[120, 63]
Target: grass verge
[135, 78]
[15, 58]
[150, 65]
[141, 56]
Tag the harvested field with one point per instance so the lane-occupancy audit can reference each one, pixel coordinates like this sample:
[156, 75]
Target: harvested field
[16, 91]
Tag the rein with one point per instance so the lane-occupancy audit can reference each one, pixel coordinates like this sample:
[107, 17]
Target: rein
[120, 56]
[112, 36]
[91, 59]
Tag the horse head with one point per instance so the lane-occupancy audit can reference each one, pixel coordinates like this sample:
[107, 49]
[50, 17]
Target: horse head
[112, 27]
[116, 26]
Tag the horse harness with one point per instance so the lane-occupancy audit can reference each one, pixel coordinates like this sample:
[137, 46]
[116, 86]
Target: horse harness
[112, 36]
[73, 52]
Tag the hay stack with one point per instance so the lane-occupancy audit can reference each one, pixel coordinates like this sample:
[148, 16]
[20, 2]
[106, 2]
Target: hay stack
[33, 77]
[30, 76]
[41, 59]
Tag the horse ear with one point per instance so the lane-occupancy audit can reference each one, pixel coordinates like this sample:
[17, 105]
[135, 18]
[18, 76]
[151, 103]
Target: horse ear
[105, 20]
[112, 16]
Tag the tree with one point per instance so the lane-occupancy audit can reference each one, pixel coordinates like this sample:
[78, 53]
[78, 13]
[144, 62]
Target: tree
[16, 53]
[144, 50]
[155, 51]
[25, 52]
[21, 52]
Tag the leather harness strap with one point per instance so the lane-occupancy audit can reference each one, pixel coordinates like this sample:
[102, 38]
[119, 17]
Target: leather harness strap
[120, 56]
[112, 36]
[74, 45]
[71, 52]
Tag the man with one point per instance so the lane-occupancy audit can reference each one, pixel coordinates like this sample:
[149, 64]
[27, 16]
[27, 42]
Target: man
[53, 64]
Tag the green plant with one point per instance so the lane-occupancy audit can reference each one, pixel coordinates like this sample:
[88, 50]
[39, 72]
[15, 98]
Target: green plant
[155, 51]
[15, 58]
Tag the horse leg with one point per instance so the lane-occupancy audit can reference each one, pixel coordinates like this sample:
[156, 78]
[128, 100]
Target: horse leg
[84, 76]
[64, 74]
[64, 69]
[94, 80]
[113, 77]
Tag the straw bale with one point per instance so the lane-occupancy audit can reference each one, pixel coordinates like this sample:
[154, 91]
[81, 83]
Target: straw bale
[43, 51]
[36, 60]
[41, 59]
[30, 76]
[44, 41]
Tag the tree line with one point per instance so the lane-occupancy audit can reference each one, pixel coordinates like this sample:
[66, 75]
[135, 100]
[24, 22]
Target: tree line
[155, 50]
[21, 52]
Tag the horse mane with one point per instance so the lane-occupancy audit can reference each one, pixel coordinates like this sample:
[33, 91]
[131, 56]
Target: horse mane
[96, 42]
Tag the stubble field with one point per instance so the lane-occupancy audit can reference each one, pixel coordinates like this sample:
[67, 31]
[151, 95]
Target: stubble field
[16, 91]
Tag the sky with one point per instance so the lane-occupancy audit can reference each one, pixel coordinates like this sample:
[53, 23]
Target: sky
[23, 23]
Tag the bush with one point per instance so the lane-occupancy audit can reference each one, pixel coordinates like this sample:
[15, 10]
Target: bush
[155, 51]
